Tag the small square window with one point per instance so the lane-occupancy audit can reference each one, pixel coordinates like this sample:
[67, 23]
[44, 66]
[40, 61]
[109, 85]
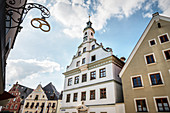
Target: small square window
[78, 63]
[137, 82]
[162, 104]
[167, 54]
[84, 77]
[152, 42]
[69, 81]
[150, 59]
[93, 75]
[93, 58]
[83, 60]
[155, 79]
[93, 47]
[76, 80]
[141, 105]
[163, 38]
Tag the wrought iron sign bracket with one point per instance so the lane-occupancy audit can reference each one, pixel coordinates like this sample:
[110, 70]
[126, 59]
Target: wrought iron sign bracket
[16, 12]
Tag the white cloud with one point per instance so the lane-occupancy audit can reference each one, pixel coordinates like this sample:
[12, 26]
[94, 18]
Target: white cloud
[164, 5]
[27, 70]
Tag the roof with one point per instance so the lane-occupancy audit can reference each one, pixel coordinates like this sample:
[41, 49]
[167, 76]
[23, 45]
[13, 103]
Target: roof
[156, 18]
[50, 90]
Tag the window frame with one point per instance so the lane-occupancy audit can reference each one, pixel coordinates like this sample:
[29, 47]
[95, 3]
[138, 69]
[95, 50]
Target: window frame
[163, 51]
[75, 98]
[68, 97]
[135, 76]
[162, 35]
[152, 40]
[159, 97]
[104, 92]
[83, 77]
[136, 107]
[153, 58]
[94, 95]
[76, 79]
[150, 81]
[102, 72]
[91, 74]
[82, 95]
[69, 83]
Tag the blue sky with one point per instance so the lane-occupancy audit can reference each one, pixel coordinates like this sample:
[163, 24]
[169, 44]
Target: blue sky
[40, 57]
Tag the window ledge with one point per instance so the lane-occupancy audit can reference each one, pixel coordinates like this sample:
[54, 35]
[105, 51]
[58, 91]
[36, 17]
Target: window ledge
[151, 64]
[157, 85]
[168, 60]
[138, 87]
[165, 42]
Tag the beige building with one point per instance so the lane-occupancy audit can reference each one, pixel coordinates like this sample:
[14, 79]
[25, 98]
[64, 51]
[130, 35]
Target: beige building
[42, 100]
[146, 74]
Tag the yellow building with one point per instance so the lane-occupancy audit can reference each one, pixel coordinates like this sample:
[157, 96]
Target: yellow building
[42, 100]
[146, 74]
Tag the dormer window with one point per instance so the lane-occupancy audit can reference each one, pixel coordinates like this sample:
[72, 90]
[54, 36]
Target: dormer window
[85, 33]
[93, 47]
[78, 63]
[79, 53]
[83, 60]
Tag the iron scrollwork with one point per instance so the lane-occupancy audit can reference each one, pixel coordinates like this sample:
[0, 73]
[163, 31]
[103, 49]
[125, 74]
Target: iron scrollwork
[17, 11]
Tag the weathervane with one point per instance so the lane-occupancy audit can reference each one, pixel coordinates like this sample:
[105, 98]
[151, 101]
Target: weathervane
[22, 10]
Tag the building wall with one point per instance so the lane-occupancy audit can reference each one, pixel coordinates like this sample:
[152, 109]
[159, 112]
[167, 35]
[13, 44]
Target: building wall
[138, 66]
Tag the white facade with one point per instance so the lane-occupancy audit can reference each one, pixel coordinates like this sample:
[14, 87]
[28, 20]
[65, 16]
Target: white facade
[104, 59]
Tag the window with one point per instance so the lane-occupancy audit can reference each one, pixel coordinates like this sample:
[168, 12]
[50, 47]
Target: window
[79, 53]
[78, 63]
[12, 106]
[167, 54]
[76, 80]
[93, 47]
[152, 42]
[7, 106]
[141, 105]
[163, 38]
[84, 38]
[32, 105]
[155, 79]
[83, 60]
[16, 106]
[102, 93]
[36, 97]
[84, 77]
[83, 96]
[85, 33]
[92, 94]
[68, 98]
[103, 72]
[53, 106]
[91, 34]
[84, 49]
[69, 81]
[93, 58]
[8, 21]
[93, 75]
[37, 105]
[150, 59]
[26, 106]
[75, 97]
[136, 81]
[162, 104]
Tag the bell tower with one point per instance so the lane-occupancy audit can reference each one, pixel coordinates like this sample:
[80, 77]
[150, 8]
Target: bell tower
[88, 31]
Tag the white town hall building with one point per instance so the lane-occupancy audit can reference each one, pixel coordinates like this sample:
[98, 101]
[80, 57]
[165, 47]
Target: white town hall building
[92, 84]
